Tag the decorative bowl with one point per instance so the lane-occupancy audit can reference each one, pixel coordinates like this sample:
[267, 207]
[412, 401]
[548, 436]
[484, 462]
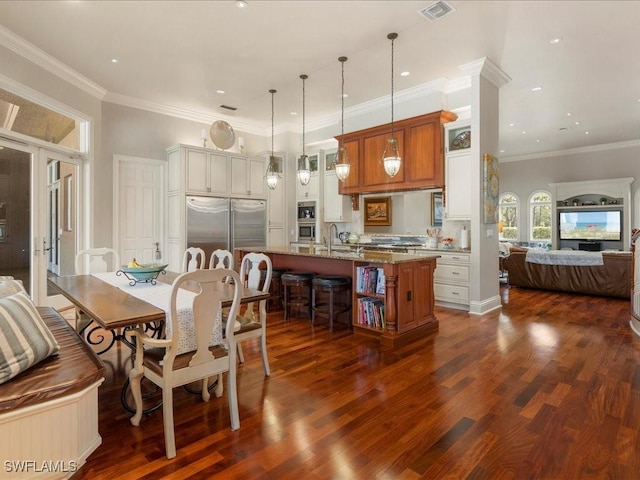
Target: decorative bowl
[145, 273]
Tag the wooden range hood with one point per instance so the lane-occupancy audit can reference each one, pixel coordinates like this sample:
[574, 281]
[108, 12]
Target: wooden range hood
[420, 140]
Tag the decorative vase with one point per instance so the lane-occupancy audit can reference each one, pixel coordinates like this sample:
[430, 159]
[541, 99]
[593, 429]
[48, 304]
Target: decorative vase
[446, 246]
[432, 242]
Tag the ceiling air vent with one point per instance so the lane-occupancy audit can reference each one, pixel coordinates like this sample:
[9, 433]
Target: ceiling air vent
[437, 10]
[233, 109]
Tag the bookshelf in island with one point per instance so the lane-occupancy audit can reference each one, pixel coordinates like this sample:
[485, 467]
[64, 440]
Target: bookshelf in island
[392, 293]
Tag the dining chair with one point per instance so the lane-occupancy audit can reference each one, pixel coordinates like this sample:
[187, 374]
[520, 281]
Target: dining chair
[94, 260]
[255, 272]
[193, 259]
[163, 361]
[221, 259]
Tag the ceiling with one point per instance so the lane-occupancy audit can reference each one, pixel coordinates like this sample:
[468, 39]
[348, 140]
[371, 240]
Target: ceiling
[177, 54]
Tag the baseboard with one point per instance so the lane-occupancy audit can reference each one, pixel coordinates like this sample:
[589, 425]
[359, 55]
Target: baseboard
[485, 306]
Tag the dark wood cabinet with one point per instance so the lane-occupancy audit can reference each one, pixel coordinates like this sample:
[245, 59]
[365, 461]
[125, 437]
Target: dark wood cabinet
[420, 140]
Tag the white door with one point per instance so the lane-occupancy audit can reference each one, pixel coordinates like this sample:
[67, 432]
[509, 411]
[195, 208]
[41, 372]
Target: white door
[139, 199]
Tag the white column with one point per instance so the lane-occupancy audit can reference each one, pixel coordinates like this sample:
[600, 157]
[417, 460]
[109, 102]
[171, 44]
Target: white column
[486, 80]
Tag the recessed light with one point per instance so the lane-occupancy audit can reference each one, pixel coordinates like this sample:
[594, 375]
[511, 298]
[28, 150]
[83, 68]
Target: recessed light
[512, 124]
[537, 140]
[553, 41]
[586, 133]
[345, 95]
[221, 92]
[536, 89]
[114, 60]
[241, 4]
[293, 113]
[501, 151]
[524, 131]
[405, 74]
[577, 123]
[568, 114]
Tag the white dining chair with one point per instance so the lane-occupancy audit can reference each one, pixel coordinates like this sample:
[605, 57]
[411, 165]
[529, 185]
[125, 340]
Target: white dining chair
[160, 360]
[193, 259]
[221, 258]
[252, 326]
[94, 260]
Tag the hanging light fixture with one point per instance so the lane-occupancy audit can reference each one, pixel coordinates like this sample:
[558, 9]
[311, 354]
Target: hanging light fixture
[342, 162]
[391, 156]
[304, 174]
[272, 174]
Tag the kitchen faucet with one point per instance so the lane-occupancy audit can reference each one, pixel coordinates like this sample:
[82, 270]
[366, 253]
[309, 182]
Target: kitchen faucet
[334, 226]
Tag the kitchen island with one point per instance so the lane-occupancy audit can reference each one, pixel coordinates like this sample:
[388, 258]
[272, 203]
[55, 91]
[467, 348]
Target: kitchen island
[406, 294]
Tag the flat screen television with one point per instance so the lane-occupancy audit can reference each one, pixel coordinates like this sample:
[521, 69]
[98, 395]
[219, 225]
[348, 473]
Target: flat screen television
[591, 225]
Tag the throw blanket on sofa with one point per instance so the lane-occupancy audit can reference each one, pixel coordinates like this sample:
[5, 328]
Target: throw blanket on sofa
[564, 257]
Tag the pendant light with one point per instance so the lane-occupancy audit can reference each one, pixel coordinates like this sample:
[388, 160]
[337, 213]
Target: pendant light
[342, 162]
[272, 174]
[391, 156]
[304, 174]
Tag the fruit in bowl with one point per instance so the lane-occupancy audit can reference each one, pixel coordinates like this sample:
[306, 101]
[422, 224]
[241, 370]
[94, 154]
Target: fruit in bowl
[137, 272]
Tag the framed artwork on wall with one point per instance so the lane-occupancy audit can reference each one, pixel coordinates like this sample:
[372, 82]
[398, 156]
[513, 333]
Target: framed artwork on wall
[377, 211]
[491, 188]
[437, 209]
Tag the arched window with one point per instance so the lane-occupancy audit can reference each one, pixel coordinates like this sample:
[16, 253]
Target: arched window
[508, 217]
[540, 217]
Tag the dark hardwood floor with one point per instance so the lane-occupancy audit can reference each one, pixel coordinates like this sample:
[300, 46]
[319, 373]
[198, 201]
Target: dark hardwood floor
[548, 388]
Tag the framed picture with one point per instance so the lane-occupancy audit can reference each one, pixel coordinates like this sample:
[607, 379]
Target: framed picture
[491, 190]
[377, 211]
[437, 209]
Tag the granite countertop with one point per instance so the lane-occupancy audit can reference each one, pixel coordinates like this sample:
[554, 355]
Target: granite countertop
[342, 254]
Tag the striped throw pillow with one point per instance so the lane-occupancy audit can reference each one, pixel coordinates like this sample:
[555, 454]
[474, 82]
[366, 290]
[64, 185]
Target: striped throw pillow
[24, 337]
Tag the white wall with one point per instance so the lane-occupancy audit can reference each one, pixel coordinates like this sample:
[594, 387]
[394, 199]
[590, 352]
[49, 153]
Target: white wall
[523, 177]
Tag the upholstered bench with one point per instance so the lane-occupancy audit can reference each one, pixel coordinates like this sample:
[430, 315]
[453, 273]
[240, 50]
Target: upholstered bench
[49, 413]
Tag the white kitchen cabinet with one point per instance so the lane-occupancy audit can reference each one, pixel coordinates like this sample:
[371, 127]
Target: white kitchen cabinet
[458, 171]
[247, 177]
[337, 208]
[451, 280]
[312, 189]
[276, 237]
[206, 172]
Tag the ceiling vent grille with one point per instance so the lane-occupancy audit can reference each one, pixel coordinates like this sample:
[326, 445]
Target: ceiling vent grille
[437, 10]
[229, 108]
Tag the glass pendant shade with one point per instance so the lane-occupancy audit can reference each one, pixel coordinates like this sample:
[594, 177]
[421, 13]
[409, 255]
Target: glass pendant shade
[391, 158]
[304, 174]
[342, 165]
[272, 175]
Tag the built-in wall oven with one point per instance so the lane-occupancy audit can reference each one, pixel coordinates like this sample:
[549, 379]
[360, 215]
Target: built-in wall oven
[306, 232]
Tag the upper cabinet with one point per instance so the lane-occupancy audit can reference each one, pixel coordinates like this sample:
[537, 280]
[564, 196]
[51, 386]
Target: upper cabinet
[421, 148]
[247, 177]
[200, 171]
[312, 189]
[458, 171]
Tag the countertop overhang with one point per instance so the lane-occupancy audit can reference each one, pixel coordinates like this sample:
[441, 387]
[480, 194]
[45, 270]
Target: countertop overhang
[341, 254]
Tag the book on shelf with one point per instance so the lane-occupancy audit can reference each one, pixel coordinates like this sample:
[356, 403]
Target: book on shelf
[371, 312]
[370, 280]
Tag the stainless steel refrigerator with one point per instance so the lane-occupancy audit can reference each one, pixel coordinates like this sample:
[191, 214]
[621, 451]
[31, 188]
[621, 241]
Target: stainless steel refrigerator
[225, 223]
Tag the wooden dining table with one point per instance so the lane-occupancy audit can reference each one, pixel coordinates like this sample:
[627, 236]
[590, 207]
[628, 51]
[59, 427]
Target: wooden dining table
[113, 308]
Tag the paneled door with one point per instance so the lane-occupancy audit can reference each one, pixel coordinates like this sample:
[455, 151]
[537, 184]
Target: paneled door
[139, 199]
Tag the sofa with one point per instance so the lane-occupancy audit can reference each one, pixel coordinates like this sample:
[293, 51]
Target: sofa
[612, 279]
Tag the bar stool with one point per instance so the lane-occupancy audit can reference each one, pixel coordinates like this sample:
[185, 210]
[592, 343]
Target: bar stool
[330, 307]
[297, 291]
[274, 304]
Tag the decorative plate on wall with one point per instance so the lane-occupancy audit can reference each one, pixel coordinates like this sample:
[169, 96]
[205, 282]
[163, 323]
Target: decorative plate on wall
[222, 134]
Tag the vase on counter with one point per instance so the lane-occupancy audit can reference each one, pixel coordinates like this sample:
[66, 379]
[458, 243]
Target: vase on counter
[432, 242]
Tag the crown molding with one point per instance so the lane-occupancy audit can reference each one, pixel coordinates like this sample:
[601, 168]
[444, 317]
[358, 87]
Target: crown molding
[435, 87]
[488, 69]
[42, 59]
[183, 113]
[572, 151]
